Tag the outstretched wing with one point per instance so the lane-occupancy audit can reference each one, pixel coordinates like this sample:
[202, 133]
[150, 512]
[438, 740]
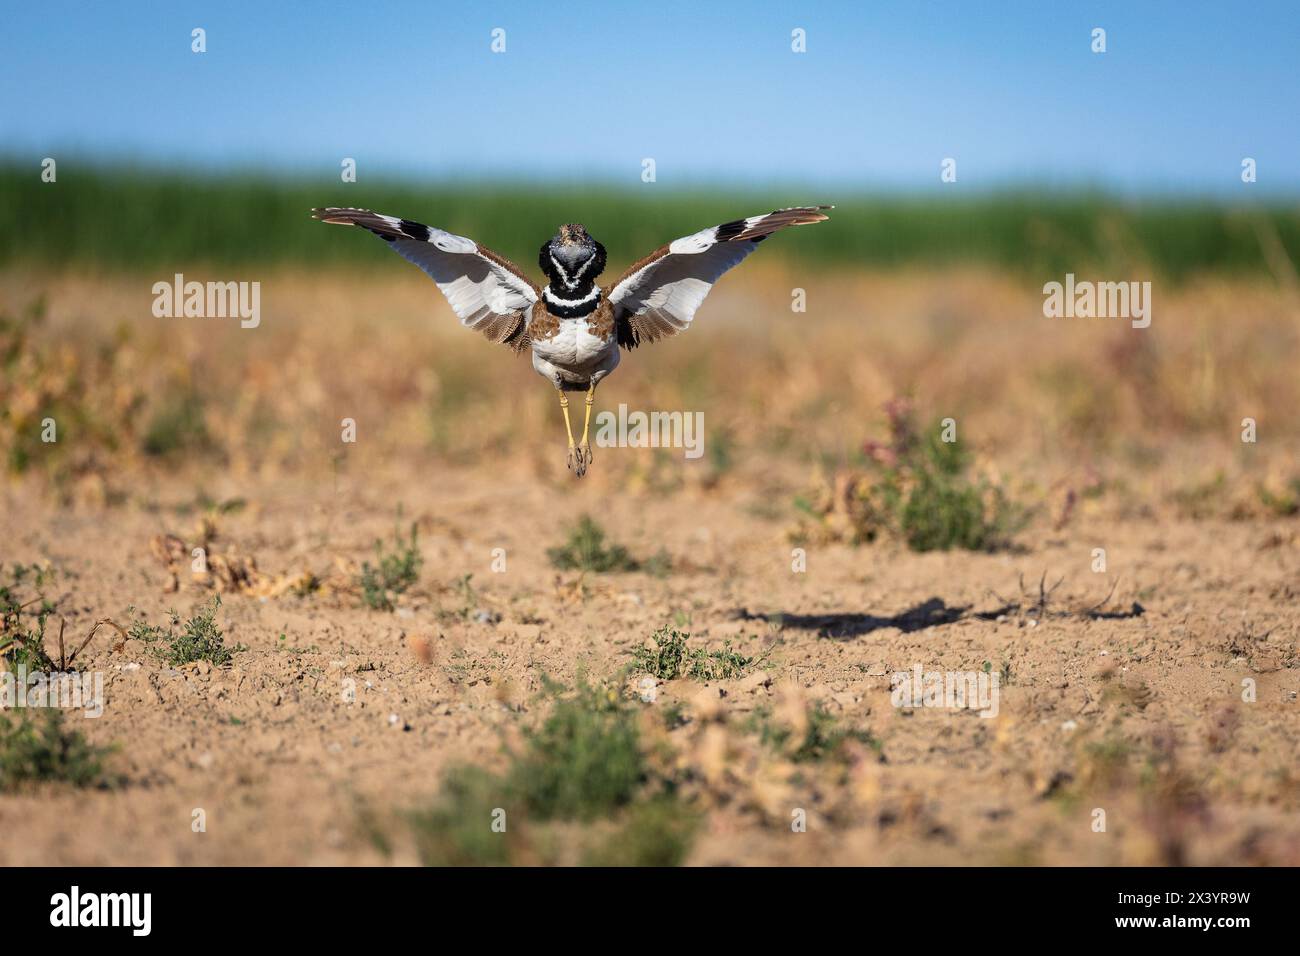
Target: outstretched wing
[658, 296]
[486, 291]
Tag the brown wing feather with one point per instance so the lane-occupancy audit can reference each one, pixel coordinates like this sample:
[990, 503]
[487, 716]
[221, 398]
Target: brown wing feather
[635, 329]
[505, 263]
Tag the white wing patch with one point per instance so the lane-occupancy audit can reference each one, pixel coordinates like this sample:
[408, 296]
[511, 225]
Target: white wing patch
[454, 244]
[696, 242]
[671, 289]
[485, 293]
[477, 289]
[662, 297]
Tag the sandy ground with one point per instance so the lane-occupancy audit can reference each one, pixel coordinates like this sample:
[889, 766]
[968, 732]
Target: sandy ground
[336, 716]
[279, 760]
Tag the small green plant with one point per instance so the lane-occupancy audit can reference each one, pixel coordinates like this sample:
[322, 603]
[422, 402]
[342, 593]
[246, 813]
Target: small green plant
[917, 488]
[656, 832]
[469, 609]
[465, 668]
[20, 644]
[583, 761]
[294, 648]
[457, 830]
[198, 639]
[936, 506]
[823, 739]
[583, 764]
[393, 573]
[39, 574]
[23, 646]
[1004, 673]
[177, 425]
[670, 658]
[586, 550]
[41, 749]
[1283, 503]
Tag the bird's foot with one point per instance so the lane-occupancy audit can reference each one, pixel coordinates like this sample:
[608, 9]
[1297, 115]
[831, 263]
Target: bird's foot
[577, 461]
[585, 451]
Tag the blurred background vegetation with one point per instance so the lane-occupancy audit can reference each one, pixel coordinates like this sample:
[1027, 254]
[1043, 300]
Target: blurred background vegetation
[121, 216]
[931, 296]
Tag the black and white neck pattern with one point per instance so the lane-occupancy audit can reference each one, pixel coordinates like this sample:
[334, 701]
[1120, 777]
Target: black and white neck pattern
[570, 305]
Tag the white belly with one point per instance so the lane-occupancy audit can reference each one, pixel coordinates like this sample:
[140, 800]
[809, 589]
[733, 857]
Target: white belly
[573, 346]
[574, 355]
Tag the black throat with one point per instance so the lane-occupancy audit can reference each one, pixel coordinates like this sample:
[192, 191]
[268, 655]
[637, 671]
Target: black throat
[572, 284]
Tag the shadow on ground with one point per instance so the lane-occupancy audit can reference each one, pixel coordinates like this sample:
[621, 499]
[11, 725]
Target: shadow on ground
[844, 625]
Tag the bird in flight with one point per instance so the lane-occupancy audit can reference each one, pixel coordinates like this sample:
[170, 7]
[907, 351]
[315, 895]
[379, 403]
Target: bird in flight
[573, 327]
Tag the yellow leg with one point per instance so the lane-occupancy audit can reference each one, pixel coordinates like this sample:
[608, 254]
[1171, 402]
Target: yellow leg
[564, 406]
[583, 446]
[576, 460]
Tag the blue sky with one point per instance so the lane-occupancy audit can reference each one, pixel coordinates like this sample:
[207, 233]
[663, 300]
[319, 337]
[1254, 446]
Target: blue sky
[710, 90]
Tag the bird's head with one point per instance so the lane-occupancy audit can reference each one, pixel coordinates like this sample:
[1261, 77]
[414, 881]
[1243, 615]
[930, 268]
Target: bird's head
[572, 259]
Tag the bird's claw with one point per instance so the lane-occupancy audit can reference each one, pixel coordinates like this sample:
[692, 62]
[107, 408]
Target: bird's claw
[577, 461]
